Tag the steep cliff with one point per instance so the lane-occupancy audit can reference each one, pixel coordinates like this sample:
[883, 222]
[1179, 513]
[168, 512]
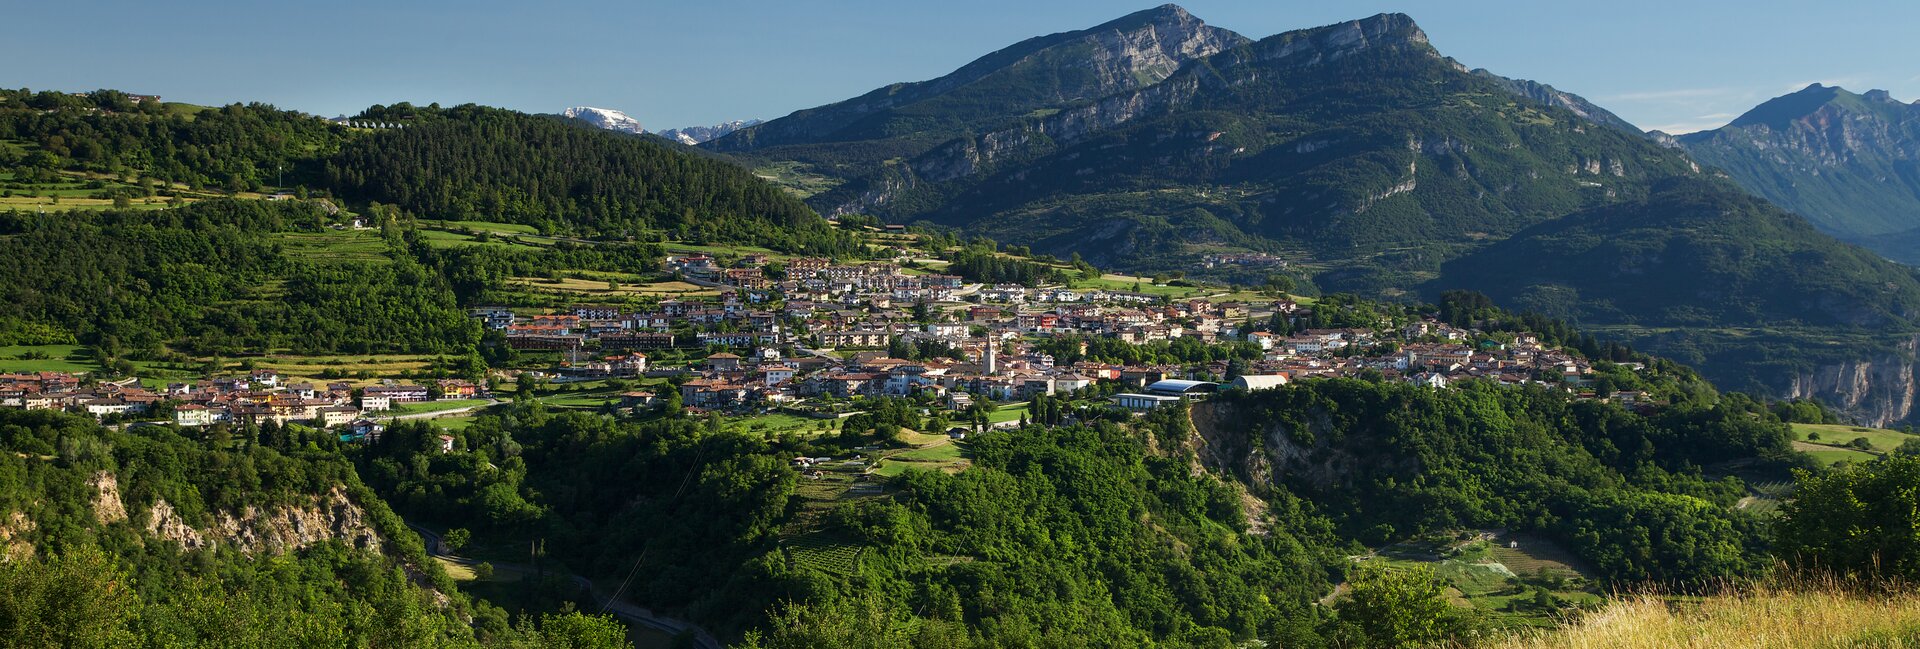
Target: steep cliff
[1877, 391]
[253, 530]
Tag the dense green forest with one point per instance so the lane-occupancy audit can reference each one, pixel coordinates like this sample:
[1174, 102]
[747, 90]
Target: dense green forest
[985, 266]
[80, 572]
[1631, 493]
[212, 277]
[471, 162]
[233, 148]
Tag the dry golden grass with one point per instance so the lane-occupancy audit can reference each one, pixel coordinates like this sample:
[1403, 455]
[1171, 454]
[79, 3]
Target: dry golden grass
[1812, 616]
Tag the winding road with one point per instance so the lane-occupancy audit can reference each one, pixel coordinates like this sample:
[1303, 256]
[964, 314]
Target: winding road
[620, 608]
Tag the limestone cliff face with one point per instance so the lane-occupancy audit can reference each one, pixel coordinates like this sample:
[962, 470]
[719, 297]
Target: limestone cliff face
[328, 517]
[1270, 453]
[1877, 391]
[14, 545]
[1039, 73]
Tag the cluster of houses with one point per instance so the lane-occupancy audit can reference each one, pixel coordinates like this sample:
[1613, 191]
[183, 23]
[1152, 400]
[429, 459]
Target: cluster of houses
[784, 318]
[258, 397]
[1254, 259]
[1006, 365]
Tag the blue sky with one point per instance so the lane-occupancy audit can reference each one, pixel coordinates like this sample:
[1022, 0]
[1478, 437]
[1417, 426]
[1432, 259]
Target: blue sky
[1677, 65]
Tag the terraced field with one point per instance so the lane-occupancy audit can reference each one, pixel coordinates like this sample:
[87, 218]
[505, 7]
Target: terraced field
[823, 552]
[335, 246]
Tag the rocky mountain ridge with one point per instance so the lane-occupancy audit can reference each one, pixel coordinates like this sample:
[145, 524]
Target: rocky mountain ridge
[695, 135]
[1849, 163]
[1037, 76]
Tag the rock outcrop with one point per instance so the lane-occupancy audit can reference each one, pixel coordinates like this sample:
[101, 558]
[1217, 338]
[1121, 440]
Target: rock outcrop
[271, 531]
[14, 545]
[107, 506]
[1878, 391]
[1037, 74]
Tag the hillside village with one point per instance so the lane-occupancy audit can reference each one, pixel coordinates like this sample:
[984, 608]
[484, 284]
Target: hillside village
[806, 335]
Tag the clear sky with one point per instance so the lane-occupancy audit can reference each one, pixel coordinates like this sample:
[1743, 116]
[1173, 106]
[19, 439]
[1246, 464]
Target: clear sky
[1676, 65]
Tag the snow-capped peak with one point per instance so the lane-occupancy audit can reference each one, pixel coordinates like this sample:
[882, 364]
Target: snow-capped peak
[696, 134]
[606, 118]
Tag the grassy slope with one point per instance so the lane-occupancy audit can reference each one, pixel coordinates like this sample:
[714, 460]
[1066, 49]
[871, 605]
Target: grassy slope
[1764, 619]
[1883, 440]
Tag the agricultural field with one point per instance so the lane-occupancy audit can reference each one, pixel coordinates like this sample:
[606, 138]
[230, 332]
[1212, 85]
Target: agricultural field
[796, 177]
[823, 552]
[726, 250]
[319, 368]
[72, 359]
[489, 226]
[778, 422]
[600, 288]
[1505, 583]
[1832, 455]
[1010, 412]
[1838, 435]
[1127, 283]
[447, 239]
[928, 452]
[77, 190]
[436, 406]
[334, 246]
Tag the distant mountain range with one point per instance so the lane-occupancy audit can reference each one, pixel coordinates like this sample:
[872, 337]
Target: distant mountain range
[614, 120]
[1848, 162]
[693, 135]
[1370, 162]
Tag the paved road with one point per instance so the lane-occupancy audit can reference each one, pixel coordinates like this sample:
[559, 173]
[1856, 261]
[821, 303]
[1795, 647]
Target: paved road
[620, 608]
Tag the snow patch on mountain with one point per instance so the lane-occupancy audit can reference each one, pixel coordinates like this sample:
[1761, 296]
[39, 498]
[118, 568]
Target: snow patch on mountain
[606, 118]
[696, 134]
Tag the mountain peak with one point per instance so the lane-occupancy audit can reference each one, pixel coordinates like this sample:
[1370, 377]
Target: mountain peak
[1778, 112]
[1168, 10]
[606, 118]
[1392, 31]
[1043, 72]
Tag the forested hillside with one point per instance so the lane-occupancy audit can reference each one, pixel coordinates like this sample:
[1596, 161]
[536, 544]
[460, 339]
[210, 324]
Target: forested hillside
[1673, 260]
[154, 539]
[1091, 527]
[474, 163]
[232, 148]
[339, 266]
[214, 277]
